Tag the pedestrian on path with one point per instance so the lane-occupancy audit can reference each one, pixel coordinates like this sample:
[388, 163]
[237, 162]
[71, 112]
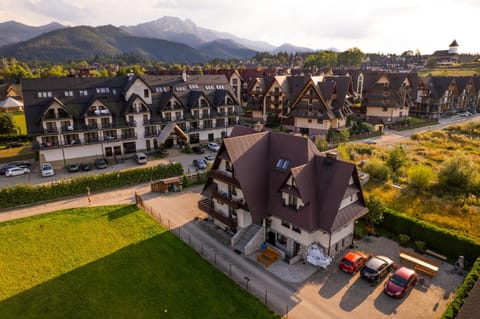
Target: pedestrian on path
[88, 195]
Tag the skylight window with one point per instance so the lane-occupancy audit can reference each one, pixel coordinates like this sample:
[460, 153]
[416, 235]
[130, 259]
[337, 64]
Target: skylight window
[283, 164]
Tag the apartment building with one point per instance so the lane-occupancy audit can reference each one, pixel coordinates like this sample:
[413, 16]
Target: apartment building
[80, 119]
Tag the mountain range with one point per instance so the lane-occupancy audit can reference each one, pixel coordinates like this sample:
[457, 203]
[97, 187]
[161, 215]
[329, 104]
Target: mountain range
[167, 39]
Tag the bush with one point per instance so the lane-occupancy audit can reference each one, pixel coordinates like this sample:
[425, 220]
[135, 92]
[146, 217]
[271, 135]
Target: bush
[377, 169]
[420, 245]
[403, 239]
[27, 194]
[463, 291]
[420, 177]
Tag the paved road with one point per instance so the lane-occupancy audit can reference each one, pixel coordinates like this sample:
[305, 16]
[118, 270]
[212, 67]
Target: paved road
[391, 137]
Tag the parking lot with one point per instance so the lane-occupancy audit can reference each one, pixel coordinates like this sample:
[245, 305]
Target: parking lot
[354, 296]
[331, 293]
[175, 155]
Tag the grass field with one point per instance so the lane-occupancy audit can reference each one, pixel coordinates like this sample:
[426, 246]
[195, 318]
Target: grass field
[110, 262]
[432, 149]
[19, 119]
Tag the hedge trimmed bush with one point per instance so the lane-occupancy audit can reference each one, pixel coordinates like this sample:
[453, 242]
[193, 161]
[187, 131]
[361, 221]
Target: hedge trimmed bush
[439, 239]
[27, 194]
[463, 291]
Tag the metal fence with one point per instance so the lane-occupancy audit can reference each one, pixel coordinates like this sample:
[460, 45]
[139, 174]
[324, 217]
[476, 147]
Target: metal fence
[245, 280]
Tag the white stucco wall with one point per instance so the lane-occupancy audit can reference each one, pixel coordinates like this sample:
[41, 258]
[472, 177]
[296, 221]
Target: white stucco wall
[137, 87]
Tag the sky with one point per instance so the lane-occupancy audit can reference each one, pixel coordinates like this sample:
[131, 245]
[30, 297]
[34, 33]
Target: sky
[374, 26]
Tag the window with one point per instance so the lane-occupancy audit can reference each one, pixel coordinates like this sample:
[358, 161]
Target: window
[292, 201]
[44, 94]
[285, 224]
[146, 93]
[83, 92]
[296, 229]
[68, 93]
[283, 164]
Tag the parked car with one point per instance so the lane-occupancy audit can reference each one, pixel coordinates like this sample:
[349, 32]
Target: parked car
[198, 150]
[209, 158]
[370, 142]
[47, 170]
[213, 146]
[140, 158]
[100, 163]
[200, 163]
[400, 282]
[85, 167]
[353, 261]
[5, 167]
[14, 144]
[377, 268]
[15, 171]
[73, 167]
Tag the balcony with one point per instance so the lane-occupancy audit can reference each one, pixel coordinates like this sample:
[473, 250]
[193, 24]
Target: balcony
[128, 137]
[229, 200]
[110, 138]
[92, 141]
[151, 134]
[92, 127]
[206, 205]
[224, 177]
[73, 143]
[50, 130]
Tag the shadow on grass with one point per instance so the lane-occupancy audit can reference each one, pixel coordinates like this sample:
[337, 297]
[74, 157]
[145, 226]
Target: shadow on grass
[157, 278]
[120, 212]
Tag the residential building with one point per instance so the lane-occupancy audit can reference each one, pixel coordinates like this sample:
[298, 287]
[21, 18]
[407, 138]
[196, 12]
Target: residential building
[447, 57]
[441, 95]
[387, 96]
[277, 188]
[80, 119]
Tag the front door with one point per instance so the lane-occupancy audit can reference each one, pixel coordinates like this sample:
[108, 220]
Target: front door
[271, 237]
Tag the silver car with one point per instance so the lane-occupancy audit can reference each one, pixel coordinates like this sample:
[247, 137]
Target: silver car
[15, 171]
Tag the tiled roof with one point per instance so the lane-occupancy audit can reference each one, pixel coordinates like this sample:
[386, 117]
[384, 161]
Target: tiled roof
[321, 182]
[77, 94]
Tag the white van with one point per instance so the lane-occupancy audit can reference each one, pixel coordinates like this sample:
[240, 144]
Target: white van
[140, 158]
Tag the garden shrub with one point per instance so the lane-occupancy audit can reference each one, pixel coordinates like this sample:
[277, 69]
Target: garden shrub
[403, 239]
[26, 194]
[463, 291]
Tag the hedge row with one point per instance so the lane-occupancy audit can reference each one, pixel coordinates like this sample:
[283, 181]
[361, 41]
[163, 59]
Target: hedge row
[439, 239]
[27, 194]
[463, 291]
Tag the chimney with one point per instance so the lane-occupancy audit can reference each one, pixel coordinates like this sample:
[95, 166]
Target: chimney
[331, 155]
[258, 127]
[184, 76]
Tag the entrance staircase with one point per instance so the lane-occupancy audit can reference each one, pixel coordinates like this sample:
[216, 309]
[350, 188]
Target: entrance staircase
[245, 237]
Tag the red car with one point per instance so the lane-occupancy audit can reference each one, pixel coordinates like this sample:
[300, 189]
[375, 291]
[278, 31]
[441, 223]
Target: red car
[401, 282]
[353, 261]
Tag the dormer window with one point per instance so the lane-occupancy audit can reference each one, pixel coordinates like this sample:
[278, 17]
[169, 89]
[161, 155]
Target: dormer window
[283, 164]
[146, 93]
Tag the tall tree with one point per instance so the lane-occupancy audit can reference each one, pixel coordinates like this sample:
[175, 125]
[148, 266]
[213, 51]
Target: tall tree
[7, 126]
[321, 59]
[352, 57]
[396, 158]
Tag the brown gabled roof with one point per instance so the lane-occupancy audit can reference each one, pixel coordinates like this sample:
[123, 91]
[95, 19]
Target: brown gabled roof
[454, 43]
[320, 182]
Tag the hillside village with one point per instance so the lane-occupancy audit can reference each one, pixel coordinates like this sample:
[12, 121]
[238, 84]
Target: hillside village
[267, 189]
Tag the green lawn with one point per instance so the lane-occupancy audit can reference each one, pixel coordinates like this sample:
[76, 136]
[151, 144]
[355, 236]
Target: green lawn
[110, 262]
[19, 119]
